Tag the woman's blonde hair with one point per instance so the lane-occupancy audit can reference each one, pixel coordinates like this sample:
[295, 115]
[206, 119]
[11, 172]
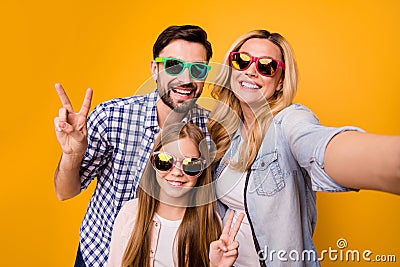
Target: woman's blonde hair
[227, 115]
[200, 224]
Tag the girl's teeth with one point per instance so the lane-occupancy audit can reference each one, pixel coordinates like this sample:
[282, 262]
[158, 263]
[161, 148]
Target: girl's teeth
[250, 85]
[175, 183]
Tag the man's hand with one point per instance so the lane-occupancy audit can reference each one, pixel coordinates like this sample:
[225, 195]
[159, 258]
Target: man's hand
[71, 129]
[71, 132]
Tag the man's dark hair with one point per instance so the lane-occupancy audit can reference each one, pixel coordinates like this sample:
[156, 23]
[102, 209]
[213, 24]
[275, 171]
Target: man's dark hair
[190, 33]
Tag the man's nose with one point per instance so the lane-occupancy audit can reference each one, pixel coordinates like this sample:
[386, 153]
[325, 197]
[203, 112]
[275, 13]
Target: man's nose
[185, 77]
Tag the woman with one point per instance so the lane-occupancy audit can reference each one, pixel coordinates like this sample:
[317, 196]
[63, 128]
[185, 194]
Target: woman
[173, 220]
[273, 155]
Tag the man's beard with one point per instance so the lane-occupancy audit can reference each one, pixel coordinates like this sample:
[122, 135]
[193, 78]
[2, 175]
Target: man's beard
[184, 106]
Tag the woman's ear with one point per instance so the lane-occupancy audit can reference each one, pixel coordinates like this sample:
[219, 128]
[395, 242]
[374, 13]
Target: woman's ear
[279, 86]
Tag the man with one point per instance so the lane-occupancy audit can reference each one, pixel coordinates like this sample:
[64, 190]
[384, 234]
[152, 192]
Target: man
[115, 142]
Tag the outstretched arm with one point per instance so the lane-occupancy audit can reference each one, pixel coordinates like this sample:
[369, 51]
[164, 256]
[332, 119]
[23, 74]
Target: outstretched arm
[71, 132]
[223, 252]
[364, 161]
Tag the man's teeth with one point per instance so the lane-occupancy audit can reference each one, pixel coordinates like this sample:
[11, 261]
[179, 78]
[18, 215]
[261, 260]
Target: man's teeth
[250, 85]
[182, 92]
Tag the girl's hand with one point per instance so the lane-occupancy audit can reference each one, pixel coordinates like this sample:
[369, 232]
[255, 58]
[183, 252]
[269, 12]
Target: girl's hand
[224, 251]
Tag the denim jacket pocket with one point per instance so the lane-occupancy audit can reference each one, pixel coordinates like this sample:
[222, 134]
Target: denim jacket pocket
[267, 175]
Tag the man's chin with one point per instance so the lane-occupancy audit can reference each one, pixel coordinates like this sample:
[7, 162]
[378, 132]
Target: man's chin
[184, 107]
[178, 106]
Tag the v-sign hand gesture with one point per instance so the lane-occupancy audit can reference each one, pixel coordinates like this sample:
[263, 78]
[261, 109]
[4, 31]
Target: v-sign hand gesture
[71, 129]
[223, 252]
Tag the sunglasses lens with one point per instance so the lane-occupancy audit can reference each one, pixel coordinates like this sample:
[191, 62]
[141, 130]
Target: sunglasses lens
[163, 162]
[240, 61]
[192, 166]
[267, 66]
[174, 66]
[199, 71]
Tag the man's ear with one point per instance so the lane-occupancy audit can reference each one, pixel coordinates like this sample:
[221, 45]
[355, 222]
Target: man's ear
[154, 70]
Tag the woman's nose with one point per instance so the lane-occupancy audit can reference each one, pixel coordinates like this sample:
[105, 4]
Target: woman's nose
[251, 70]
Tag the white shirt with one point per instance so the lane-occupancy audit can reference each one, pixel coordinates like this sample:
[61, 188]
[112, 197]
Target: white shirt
[165, 246]
[230, 191]
[122, 231]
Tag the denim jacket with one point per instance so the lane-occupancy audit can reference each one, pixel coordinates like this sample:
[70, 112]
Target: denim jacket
[279, 193]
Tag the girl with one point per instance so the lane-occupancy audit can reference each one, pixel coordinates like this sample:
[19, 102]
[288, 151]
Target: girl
[173, 220]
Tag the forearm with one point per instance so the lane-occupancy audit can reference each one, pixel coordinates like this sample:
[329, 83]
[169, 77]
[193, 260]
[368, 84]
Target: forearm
[67, 180]
[364, 161]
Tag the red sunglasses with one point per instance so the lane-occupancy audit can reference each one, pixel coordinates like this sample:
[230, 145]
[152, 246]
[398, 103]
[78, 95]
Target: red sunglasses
[266, 66]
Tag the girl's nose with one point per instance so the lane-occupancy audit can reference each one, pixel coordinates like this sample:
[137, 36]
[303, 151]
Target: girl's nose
[177, 169]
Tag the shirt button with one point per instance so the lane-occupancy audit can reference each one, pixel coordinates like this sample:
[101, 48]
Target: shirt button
[156, 224]
[152, 251]
[262, 164]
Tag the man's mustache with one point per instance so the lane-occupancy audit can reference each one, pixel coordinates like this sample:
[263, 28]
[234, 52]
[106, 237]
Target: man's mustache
[184, 85]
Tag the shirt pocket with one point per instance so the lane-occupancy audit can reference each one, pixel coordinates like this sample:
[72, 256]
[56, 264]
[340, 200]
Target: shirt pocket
[267, 175]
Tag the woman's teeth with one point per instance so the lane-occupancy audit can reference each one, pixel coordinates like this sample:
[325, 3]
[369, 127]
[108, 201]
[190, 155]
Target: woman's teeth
[249, 85]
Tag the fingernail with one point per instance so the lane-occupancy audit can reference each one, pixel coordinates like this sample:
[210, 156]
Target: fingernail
[62, 125]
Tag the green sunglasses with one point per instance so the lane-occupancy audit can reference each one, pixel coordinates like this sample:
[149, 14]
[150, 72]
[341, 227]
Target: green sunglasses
[174, 67]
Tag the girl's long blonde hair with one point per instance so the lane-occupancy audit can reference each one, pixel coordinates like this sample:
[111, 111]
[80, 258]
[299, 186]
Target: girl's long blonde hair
[200, 224]
[227, 115]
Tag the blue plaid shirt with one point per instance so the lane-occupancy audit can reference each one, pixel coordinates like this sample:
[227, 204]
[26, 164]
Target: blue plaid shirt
[121, 135]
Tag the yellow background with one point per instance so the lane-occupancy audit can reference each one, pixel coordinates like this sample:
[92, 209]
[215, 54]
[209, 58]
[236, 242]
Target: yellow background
[348, 56]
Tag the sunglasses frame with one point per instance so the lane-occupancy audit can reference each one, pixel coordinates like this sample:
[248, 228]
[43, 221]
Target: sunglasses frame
[185, 65]
[256, 60]
[154, 154]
